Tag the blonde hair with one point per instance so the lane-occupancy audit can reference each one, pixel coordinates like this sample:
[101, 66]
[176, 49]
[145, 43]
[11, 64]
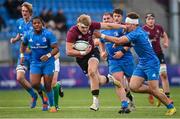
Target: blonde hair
[84, 19]
[28, 6]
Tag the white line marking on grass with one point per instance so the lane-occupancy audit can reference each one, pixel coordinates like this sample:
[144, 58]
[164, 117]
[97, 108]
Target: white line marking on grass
[84, 107]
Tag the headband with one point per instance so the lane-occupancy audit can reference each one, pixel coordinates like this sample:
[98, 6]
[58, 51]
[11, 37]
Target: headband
[131, 21]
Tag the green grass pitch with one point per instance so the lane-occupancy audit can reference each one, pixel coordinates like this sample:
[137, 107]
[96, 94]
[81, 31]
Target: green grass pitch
[76, 102]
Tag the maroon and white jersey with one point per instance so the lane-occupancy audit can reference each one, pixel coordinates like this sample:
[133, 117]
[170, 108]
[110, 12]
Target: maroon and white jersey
[74, 34]
[155, 35]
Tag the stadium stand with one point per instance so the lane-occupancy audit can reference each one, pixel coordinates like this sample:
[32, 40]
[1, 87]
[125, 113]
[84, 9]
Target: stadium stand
[71, 8]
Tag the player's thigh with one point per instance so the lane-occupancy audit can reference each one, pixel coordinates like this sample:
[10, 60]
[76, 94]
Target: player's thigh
[35, 79]
[93, 63]
[118, 75]
[137, 78]
[20, 74]
[136, 82]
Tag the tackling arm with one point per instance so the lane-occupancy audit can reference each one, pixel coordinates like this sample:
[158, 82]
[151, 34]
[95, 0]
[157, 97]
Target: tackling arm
[118, 41]
[112, 26]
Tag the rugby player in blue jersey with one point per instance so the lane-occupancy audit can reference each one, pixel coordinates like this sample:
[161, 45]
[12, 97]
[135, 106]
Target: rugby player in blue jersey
[43, 45]
[24, 25]
[119, 59]
[118, 18]
[148, 66]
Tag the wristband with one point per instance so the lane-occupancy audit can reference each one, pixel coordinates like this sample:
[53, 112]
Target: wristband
[123, 51]
[48, 55]
[21, 55]
[103, 36]
[83, 52]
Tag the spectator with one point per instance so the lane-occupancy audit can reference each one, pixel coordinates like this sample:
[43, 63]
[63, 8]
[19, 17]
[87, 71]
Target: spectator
[2, 24]
[60, 21]
[13, 8]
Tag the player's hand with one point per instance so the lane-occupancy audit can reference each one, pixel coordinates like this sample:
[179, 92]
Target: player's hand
[165, 45]
[12, 40]
[44, 58]
[104, 55]
[97, 34]
[88, 50]
[124, 27]
[22, 60]
[118, 54]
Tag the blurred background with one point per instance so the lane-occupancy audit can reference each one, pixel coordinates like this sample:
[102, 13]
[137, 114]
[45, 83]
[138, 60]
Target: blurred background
[60, 15]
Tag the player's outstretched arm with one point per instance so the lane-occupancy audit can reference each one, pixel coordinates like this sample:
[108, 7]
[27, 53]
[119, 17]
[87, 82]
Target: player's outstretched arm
[118, 41]
[112, 26]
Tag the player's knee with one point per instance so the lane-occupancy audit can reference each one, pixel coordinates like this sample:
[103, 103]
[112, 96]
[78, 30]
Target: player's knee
[133, 87]
[20, 78]
[48, 87]
[91, 72]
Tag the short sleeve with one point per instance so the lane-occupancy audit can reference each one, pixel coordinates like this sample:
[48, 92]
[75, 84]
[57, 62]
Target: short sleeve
[161, 30]
[132, 36]
[52, 38]
[96, 25]
[71, 36]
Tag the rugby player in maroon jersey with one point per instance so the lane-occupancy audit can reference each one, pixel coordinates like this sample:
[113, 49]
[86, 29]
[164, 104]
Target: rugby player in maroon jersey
[156, 34]
[88, 60]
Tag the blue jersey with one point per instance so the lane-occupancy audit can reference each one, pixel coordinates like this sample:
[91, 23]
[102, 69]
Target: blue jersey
[40, 44]
[109, 45]
[142, 45]
[22, 29]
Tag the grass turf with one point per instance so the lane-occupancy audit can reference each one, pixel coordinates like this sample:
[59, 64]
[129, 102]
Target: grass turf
[76, 102]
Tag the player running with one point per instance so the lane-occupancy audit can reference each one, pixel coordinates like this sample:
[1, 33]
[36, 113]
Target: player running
[88, 60]
[148, 66]
[43, 46]
[56, 85]
[156, 33]
[24, 25]
[117, 18]
[119, 60]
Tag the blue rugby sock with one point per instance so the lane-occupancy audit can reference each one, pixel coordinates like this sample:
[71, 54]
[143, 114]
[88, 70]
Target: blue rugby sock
[170, 106]
[42, 87]
[50, 97]
[124, 104]
[31, 92]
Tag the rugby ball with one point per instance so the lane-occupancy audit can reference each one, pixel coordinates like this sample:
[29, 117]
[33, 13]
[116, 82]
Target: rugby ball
[81, 45]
